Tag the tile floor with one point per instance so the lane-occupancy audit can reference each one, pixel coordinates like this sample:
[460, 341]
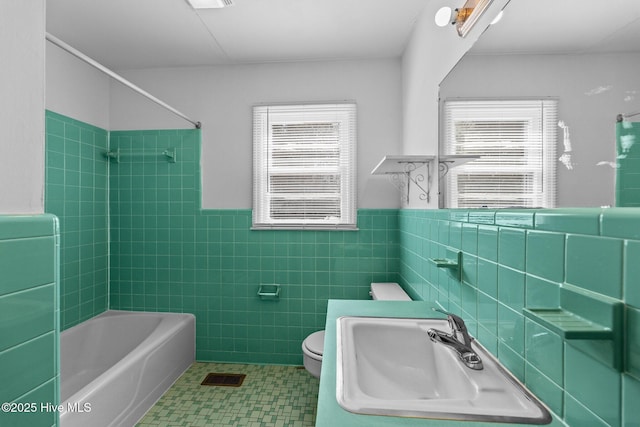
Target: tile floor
[269, 396]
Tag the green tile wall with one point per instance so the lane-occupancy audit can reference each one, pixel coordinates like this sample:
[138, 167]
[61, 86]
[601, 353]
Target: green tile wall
[628, 170]
[168, 255]
[523, 258]
[76, 183]
[29, 312]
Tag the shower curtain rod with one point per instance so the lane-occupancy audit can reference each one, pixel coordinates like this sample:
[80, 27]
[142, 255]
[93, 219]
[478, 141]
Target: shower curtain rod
[117, 77]
[621, 117]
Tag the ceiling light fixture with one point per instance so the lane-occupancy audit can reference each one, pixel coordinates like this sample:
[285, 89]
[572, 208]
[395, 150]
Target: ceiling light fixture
[463, 18]
[443, 16]
[469, 14]
[210, 4]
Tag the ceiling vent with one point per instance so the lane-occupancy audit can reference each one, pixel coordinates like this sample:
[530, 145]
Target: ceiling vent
[210, 4]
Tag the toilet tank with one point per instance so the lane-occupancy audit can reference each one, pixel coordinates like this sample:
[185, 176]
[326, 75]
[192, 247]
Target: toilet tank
[388, 291]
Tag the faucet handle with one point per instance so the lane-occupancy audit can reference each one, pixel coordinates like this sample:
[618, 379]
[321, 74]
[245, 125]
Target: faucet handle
[455, 322]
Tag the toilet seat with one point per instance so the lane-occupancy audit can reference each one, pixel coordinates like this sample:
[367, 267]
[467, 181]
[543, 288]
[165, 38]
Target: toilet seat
[315, 344]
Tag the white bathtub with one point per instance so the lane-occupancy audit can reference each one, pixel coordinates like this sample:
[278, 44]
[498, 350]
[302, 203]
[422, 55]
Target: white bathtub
[115, 366]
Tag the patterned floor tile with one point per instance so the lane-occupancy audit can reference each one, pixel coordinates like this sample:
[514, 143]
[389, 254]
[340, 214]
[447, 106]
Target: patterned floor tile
[270, 396]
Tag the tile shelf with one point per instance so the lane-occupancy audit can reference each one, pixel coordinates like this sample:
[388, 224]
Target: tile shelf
[568, 325]
[444, 263]
[588, 321]
[452, 263]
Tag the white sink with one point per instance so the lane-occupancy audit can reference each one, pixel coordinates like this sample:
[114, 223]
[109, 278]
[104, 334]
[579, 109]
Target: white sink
[389, 366]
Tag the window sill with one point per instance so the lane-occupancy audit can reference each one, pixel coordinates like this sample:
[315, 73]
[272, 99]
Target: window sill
[314, 227]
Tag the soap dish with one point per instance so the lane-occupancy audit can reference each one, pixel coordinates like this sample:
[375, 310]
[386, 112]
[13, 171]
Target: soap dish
[269, 292]
[569, 325]
[452, 263]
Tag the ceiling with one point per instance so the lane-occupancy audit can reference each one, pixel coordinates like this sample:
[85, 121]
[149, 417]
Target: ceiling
[564, 26]
[128, 34]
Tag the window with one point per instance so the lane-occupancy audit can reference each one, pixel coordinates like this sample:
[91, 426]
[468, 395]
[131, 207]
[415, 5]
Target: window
[304, 173]
[517, 144]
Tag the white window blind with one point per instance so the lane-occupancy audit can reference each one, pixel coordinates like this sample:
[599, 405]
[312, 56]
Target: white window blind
[516, 140]
[304, 173]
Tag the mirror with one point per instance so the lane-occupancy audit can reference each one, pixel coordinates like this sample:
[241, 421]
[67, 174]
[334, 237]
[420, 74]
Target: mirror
[584, 54]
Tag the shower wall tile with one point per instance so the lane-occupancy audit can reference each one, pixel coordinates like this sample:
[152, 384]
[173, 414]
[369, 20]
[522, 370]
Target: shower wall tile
[169, 255]
[628, 159]
[76, 182]
[525, 259]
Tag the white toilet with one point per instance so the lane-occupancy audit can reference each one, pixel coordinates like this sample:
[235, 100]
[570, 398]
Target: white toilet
[313, 345]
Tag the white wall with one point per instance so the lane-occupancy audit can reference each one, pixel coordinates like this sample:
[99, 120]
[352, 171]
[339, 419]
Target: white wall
[591, 89]
[22, 27]
[430, 54]
[75, 89]
[222, 98]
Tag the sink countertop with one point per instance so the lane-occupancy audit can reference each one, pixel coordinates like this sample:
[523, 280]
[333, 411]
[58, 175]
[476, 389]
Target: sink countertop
[330, 413]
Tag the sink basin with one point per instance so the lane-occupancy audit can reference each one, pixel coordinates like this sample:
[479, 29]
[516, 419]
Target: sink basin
[389, 366]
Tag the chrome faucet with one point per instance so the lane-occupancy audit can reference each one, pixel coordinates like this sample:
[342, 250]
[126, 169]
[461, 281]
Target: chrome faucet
[459, 340]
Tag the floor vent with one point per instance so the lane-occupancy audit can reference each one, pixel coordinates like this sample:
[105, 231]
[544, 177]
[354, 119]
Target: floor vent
[225, 380]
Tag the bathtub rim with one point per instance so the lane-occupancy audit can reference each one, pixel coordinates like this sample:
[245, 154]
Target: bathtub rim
[153, 340]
